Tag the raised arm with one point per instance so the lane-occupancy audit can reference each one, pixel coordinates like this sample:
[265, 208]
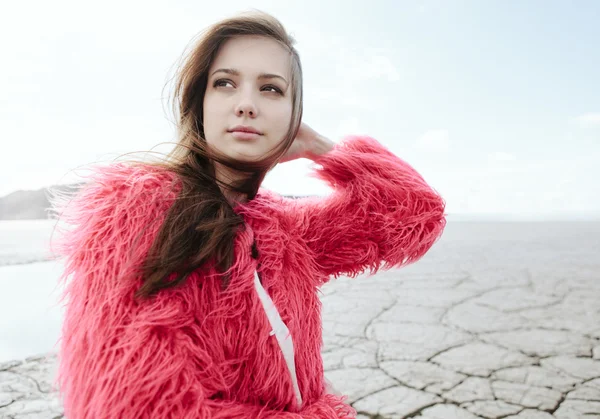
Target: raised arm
[381, 214]
[120, 358]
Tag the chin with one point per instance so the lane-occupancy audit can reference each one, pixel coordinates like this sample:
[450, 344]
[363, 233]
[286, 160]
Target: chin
[246, 158]
[246, 154]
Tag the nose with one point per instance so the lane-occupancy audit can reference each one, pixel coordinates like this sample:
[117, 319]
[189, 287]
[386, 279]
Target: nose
[246, 106]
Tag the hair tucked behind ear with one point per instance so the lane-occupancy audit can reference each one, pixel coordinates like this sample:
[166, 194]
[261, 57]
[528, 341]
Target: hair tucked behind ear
[201, 225]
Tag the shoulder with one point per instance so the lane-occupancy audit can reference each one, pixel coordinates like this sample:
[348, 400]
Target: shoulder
[119, 184]
[117, 201]
[265, 201]
[271, 208]
[130, 180]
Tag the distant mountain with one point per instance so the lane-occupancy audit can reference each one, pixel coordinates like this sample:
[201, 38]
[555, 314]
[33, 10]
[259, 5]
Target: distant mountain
[32, 205]
[29, 205]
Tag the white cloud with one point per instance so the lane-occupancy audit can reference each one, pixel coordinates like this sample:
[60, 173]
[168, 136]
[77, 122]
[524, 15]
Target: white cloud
[589, 118]
[349, 126]
[367, 64]
[344, 70]
[434, 141]
[501, 156]
[524, 187]
[350, 58]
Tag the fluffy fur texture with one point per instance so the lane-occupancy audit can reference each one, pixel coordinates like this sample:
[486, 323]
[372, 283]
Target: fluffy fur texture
[195, 351]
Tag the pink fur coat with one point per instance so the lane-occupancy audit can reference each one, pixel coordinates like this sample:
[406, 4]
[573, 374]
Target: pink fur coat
[194, 351]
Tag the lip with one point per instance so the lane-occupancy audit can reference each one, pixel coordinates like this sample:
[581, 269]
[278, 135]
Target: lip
[241, 135]
[245, 128]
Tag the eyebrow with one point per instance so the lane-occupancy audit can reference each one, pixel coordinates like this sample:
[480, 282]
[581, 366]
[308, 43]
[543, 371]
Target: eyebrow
[235, 72]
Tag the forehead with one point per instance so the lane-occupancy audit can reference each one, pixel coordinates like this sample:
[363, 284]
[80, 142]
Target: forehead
[253, 55]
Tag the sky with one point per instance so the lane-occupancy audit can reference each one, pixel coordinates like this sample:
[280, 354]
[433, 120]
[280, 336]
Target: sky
[495, 103]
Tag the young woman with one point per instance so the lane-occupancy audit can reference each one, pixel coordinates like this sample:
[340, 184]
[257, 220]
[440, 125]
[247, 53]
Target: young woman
[193, 292]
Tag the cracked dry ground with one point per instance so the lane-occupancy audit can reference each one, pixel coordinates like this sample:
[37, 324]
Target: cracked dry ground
[499, 320]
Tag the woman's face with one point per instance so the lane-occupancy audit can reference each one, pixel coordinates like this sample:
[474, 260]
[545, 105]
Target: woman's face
[248, 85]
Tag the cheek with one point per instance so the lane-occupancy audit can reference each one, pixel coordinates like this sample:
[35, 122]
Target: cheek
[210, 117]
[282, 118]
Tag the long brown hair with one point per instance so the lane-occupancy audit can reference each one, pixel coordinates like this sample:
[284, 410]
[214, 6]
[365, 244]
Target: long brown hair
[201, 224]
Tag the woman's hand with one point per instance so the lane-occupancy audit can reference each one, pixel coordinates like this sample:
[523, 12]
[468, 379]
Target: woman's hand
[308, 144]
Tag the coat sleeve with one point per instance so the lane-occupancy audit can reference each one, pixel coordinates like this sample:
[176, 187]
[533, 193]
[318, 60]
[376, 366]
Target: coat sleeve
[381, 213]
[123, 359]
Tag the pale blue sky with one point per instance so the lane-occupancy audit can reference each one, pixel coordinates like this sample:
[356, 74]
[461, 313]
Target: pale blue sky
[496, 103]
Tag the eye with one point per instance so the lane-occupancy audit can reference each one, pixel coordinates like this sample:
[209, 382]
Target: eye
[275, 88]
[223, 82]
[220, 82]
